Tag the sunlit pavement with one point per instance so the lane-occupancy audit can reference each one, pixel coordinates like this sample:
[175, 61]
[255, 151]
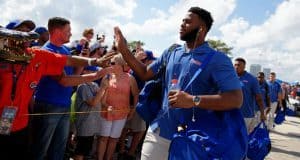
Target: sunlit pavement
[286, 140]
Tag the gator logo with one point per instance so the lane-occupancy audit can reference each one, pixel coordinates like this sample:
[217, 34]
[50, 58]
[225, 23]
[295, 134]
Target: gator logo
[196, 62]
[33, 85]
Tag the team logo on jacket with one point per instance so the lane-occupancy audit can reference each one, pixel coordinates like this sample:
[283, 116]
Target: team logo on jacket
[33, 85]
[196, 62]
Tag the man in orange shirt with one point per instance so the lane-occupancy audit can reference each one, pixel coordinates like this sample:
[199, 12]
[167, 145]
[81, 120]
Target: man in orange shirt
[20, 70]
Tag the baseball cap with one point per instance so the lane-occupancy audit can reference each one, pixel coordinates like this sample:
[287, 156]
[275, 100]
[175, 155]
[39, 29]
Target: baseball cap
[15, 23]
[40, 30]
[149, 55]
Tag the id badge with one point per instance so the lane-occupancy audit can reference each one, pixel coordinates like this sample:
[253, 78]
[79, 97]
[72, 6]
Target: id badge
[7, 118]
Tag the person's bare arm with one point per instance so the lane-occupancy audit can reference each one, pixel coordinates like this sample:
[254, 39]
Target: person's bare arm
[139, 68]
[97, 99]
[134, 90]
[268, 104]
[83, 61]
[260, 104]
[135, 93]
[219, 102]
[74, 80]
[280, 98]
[104, 84]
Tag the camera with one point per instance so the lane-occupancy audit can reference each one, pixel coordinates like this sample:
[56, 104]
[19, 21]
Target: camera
[86, 45]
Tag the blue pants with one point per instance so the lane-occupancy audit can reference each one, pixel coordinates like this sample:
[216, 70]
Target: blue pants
[50, 132]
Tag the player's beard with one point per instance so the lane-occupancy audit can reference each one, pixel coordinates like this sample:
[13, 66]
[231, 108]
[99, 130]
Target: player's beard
[191, 36]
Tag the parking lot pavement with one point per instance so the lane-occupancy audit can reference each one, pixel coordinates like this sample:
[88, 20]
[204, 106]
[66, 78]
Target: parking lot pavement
[286, 140]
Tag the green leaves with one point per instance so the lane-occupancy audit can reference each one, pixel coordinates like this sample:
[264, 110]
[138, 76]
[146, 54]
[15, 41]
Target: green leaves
[220, 46]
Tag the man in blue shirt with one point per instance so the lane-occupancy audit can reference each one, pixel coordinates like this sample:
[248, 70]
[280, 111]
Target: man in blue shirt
[251, 94]
[53, 95]
[265, 92]
[275, 97]
[210, 104]
[15, 145]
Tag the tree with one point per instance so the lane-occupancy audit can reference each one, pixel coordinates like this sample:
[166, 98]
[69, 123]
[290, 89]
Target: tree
[135, 44]
[220, 46]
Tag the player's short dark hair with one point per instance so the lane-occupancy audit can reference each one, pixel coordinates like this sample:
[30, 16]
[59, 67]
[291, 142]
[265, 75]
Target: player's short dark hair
[204, 15]
[273, 73]
[241, 60]
[261, 74]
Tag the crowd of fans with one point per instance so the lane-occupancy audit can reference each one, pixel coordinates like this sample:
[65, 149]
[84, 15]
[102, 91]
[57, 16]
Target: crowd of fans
[103, 121]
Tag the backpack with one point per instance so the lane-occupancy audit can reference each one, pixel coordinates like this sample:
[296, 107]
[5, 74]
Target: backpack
[151, 96]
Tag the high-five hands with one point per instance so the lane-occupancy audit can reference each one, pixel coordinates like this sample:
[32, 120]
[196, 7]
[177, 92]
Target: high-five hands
[120, 41]
[102, 62]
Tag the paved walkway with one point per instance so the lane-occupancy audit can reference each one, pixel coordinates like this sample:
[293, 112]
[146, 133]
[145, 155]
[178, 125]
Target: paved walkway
[286, 140]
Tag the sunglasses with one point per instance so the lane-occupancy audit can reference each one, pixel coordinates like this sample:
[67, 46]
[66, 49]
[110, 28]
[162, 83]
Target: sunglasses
[112, 63]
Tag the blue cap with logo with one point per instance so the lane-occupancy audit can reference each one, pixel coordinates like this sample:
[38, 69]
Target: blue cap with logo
[40, 30]
[149, 55]
[16, 23]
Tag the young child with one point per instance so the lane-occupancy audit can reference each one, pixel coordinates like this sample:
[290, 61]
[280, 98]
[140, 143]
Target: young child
[88, 99]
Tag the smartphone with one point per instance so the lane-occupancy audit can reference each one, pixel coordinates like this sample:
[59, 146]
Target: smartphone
[86, 45]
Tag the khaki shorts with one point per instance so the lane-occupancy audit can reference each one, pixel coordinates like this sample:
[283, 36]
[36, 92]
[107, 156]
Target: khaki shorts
[155, 147]
[250, 124]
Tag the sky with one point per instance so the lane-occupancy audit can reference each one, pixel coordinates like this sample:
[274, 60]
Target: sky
[264, 32]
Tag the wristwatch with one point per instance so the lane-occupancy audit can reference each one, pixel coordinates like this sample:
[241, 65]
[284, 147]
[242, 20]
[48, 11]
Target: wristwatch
[196, 100]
